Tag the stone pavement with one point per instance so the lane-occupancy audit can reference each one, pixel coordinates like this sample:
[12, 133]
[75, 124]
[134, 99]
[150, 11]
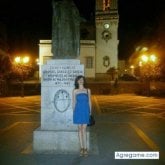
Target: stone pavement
[123, 123]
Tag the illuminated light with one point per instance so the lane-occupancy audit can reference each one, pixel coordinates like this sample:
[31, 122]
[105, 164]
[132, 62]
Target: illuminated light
[144, 49]
[17, 59]
[132, 67]
[140, 63]
[25, 59]
[37, 61]
[144, 58]
[153, 58]
[138, 48]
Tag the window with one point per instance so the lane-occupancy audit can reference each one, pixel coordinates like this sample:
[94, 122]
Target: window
[89, 62]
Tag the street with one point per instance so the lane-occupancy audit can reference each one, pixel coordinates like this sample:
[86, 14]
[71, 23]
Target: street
[124, 122]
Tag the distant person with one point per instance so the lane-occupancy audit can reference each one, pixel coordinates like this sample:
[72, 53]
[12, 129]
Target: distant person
[81, 111]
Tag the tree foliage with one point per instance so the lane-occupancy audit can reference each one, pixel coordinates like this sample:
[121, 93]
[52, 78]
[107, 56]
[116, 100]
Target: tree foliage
[22, 71]
[5, 65]
[150, 71]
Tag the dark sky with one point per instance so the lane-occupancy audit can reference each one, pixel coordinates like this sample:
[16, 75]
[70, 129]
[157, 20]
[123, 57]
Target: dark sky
[27, 21]
[139, 20]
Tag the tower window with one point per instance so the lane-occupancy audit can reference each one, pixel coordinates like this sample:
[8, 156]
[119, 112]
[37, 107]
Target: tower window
[89, 62]
[106, 5]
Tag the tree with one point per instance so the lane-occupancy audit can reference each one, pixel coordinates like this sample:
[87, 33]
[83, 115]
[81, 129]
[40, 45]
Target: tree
[150, 71]
[22, 69]
[5, 64]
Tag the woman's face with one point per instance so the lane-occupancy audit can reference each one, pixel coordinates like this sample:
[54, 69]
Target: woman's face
[81, 81]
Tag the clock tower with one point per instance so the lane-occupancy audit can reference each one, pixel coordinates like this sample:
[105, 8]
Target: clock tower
[106, 35]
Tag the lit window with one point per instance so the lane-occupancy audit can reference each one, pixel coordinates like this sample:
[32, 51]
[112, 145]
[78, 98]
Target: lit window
[89, 62]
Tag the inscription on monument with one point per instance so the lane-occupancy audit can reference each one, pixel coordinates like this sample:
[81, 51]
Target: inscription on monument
[60, 75]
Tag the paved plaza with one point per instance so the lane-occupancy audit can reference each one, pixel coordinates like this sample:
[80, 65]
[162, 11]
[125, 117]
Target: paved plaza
[123, 123]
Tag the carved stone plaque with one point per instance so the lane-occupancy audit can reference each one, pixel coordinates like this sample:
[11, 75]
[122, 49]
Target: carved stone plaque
[62, 100]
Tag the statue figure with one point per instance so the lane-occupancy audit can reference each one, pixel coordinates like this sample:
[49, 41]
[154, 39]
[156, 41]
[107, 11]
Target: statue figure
[65, 30]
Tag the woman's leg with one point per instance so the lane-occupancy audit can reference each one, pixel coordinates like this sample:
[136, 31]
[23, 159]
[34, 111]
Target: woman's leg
[85, 139]
[84, 135]
[80, 134]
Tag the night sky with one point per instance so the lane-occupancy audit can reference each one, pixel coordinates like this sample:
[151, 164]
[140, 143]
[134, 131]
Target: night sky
[28, 21]
[139, 20]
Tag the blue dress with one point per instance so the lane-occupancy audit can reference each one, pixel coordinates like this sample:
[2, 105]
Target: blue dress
[82, 110]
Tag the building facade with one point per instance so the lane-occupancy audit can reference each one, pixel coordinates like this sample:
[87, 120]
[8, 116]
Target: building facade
[106, 21]
[98, 54]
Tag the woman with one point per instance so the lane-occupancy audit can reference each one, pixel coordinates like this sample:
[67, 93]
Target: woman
[82, 111]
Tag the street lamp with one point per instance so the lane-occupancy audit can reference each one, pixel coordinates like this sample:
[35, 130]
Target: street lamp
[147, 63]
[21, 62]
[153, 58]
[148, 58]
[144, 58]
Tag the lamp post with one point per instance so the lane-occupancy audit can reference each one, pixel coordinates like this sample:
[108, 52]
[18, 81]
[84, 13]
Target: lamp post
[21, 62]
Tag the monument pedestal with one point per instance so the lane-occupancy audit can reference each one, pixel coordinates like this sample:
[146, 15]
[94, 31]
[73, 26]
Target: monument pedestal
[57, 132]
[60, 142]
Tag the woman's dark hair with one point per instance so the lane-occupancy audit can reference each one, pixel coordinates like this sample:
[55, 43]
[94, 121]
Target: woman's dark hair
[76, 81]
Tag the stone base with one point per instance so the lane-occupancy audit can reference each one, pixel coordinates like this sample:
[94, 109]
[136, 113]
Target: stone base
[62, 142]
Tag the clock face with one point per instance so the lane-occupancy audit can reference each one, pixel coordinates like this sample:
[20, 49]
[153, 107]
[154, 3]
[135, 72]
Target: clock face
[106, 26]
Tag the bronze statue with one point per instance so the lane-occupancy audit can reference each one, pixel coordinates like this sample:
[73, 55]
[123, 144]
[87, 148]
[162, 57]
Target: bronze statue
[65, 30]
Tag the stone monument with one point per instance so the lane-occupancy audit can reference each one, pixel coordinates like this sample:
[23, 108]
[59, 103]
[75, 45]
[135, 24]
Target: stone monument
[57, 132]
